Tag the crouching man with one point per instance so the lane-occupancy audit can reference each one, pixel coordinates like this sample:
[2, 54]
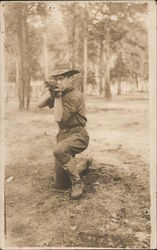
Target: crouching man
[69, 112]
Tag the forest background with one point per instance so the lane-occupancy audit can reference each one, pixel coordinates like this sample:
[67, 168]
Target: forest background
[108, 43]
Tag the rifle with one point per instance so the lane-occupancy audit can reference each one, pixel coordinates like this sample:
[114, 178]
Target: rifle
[52, 87]
[56, 95]
[52, 92]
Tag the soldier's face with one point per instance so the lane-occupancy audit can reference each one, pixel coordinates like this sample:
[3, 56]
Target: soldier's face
[63, 82]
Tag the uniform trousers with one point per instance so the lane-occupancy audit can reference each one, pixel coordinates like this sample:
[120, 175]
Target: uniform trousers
[69, 143]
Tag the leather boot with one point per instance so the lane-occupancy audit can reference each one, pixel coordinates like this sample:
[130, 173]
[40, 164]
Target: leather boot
[84, 165]
[77, 184]
[77, 189]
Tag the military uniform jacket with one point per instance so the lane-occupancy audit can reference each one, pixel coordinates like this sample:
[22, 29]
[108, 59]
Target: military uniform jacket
[73, 109]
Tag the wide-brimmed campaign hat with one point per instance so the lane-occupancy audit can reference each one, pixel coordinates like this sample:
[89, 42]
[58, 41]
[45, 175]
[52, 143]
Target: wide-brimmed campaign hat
[64, 70]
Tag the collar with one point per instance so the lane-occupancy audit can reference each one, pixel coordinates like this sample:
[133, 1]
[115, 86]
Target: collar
[67, 90]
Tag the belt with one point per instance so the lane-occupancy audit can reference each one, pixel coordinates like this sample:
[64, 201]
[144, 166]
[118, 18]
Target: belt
[65, 130]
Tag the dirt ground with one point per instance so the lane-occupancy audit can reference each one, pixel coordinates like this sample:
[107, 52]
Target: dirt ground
[114, 210]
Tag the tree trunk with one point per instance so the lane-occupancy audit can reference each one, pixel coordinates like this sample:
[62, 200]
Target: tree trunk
[136, 81]
[73, 36]
[22, 68]
[45, 48]
[27, 67]
[20, 61]
[17, 77]
[28, 89]
[120, 55]
[107, 80]
[119, 86]
[96, 73]
[101, 66]
[85, 50]
[132, 83]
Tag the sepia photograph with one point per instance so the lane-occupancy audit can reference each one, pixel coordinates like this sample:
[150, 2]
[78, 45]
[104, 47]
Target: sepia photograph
[78, 125]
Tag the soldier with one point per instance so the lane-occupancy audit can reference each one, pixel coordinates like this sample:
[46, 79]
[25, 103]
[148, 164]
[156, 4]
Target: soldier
[69, 111]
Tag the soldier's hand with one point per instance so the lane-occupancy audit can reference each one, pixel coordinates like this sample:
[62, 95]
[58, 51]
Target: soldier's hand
[51, 90]
[57, 93]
